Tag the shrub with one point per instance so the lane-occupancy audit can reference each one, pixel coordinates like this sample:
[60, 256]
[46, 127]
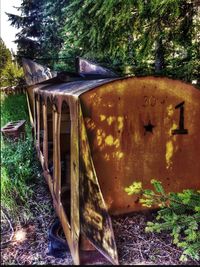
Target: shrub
[179, 213]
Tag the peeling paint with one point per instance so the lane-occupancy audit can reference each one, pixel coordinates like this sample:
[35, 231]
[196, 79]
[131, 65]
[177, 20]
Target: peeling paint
[169, 153]
[174, 126]
[107, 157]
[118, 155]
[99, 140]
[110, 120]
[170, 110]
[109, 140]
[120, 122]
[102, 117]
[116, 143]
[90, 123]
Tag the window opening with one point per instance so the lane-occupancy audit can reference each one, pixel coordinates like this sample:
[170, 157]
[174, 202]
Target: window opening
[41, 126]
[65, 138]
[50, 137]
[36, 119]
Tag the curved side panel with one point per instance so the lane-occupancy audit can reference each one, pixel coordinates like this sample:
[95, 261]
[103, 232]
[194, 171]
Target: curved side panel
[30, 103]
[95, 220]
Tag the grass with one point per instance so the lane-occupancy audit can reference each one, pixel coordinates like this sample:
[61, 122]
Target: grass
[13, 108]
[19, 165]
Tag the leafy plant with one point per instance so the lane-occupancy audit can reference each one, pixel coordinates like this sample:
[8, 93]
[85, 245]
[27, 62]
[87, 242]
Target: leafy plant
[179, 213]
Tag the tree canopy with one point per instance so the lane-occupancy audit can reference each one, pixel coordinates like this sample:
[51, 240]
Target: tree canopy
[140, 37]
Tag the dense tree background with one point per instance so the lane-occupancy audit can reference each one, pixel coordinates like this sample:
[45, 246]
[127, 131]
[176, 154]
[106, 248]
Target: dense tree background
[141, 37]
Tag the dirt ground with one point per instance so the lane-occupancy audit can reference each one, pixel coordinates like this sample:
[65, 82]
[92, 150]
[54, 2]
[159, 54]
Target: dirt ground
[135, 247]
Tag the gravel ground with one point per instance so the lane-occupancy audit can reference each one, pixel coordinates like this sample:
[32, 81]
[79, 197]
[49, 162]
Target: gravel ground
[34, 248]
[135, 247]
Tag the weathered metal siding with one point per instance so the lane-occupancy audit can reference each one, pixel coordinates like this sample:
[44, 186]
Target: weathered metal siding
[94, 218]
[130, 125]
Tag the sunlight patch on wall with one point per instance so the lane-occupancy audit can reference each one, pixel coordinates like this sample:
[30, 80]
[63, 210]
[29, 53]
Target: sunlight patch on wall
[170, 110]
[110, 120]
[102, 117]
[120, 120]
[169, 153]
[109, 140]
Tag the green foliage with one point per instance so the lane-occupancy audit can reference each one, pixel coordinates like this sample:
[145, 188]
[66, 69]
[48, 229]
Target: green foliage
[14, 108]
[132, 37]
[135, 188]
[11, 75]
[10, 72]
[31, 23]
[18, 160]
[19, 167]
[179, 214]
[41, 33]
[143, 36]
[5, 56]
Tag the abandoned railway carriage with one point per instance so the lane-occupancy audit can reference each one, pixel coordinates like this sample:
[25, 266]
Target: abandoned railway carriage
[97, 133]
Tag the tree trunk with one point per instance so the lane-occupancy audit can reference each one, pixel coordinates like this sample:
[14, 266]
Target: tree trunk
[159, 56]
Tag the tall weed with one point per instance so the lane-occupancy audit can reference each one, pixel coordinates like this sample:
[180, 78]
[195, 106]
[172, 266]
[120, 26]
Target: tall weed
[19, 165]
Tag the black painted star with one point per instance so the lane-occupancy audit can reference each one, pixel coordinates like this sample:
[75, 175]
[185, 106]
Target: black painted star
[149, 127]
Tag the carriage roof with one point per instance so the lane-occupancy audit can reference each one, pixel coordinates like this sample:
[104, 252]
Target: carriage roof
[75, 88]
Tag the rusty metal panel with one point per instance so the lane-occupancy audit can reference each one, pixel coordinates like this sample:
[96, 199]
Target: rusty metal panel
[95, 220]
[139, 129]
[87, 67]
[36, 73]
[30, 102]
[14, 130]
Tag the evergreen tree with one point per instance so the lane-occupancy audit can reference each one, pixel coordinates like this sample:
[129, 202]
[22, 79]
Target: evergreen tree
[31, 24]
[5, 56]
[153, 36]
[40, 23]
[52, 39]
[10, 72]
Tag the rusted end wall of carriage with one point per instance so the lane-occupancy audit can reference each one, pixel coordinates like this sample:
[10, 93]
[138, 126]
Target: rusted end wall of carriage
[139, 129]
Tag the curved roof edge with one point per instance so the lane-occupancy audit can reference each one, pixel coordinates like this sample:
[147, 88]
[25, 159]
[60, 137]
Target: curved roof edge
[80, 87]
